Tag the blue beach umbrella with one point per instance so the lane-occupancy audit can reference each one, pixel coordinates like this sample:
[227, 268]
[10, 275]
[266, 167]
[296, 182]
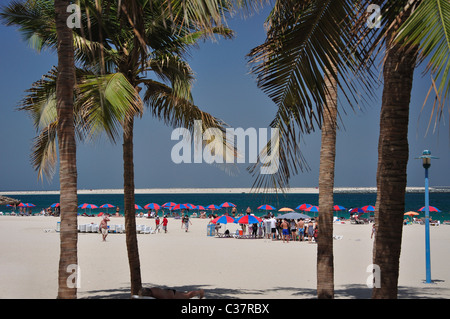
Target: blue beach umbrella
[368, 208]
[189, 206]
[227, 204]
[338, 207]
[356, 210]
[136, 206]
[86, 205]
[303, 206]
[179, 206]
[248, 219]
[213, 207]
[224, 219]
[431, 209]
[107, 206]
[169, 205]
[267, 207]
[152, 206]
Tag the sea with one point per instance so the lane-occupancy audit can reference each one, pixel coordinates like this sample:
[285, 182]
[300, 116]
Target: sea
[414, 201]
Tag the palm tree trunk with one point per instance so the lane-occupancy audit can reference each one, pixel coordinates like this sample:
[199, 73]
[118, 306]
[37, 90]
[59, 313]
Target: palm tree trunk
[325, 263]
[130, 218]
[67, 287]
[393, 159]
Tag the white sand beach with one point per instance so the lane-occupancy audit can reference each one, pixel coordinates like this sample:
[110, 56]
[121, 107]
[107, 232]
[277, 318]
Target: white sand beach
[223, 267]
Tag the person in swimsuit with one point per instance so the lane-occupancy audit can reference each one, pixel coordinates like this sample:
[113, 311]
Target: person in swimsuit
[301, 229]
[285, 231]
[310, 231]
[104, 227]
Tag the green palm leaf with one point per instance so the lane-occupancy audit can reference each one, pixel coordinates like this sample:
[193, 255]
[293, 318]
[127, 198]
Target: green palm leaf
[429, 28]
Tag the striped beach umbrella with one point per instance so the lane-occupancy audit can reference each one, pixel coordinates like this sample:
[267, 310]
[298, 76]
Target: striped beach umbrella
[224, 219]
[227, 204]
[152, 206]
[107, 206]
[136, 206]
[338, 207]
[248, 219]
[200, 207]
[303, 206]
[432, 209]
[368, 208]
[54, 205]
[267, 207]
[179, 206]
[169, 205]
[213, 207]
[314, 209]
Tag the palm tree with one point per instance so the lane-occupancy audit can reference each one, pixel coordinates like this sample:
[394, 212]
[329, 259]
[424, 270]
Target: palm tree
[298, 68]
[157, 49]
[67, 151]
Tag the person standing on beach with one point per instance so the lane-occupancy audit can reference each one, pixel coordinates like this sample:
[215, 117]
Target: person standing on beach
[164, 224]
[301, 229]
[186, 222]
[104, 227]
[310, 230]
[285, 230]
[157, 223]
[273, 227]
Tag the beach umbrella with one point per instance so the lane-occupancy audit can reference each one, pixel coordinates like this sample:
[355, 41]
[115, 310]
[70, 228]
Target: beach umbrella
[168, 205]
[285, 209]
[227, 204]
[107, 206]
[213, 207]
[411, 214]
[189, 206]
[338, 207]
[292, 215]
[266, 207]
[136, 206]
[179, 206]
[200, 207]
[368, 208]
[356, 210]
[100, 214]
[152, 206]
[314, 209]
[86, 205]
[432, 209]
[224, 219]
[26, 205]
[248, 219]
[54, 205]
[303, 206]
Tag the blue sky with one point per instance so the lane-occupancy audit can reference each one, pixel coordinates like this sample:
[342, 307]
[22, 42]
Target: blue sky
[225, 89]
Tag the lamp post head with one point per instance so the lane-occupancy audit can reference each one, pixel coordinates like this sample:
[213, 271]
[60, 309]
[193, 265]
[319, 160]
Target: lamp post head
[426, 158]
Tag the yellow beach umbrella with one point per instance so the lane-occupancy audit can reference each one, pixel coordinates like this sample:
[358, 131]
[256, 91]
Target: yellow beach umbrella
[285, 209]
[411, 213]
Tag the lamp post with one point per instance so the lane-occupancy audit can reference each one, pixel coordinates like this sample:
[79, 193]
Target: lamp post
[426, 162]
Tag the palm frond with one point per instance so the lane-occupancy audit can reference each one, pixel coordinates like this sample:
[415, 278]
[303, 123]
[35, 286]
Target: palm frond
[429, 28]
[106, 101]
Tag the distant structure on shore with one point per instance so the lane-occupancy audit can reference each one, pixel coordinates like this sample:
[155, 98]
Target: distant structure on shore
[230, 190]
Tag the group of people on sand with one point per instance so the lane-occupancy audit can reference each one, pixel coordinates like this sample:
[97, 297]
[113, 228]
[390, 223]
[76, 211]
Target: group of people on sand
[291, 230]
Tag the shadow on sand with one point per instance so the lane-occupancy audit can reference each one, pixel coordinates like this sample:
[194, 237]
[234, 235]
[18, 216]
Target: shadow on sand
[342, 292]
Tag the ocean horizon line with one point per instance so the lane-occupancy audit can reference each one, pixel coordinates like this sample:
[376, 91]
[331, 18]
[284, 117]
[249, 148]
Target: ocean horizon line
[222, 190]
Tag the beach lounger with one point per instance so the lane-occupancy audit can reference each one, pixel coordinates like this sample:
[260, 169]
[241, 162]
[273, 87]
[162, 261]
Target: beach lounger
[147, 230]
[82, 228]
